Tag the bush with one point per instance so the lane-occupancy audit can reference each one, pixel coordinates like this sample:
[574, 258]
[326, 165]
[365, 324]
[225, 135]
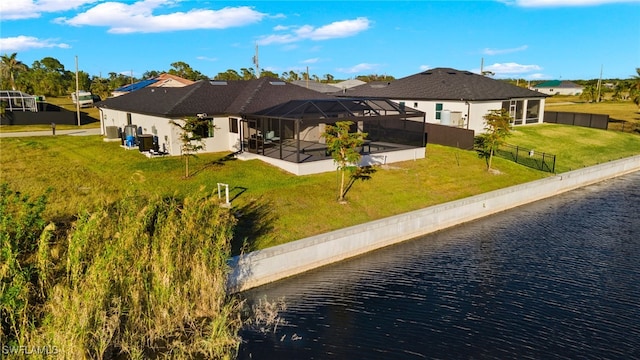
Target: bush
[140, 277]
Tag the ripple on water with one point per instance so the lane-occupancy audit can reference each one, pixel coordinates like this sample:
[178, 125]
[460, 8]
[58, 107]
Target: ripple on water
[556, 279]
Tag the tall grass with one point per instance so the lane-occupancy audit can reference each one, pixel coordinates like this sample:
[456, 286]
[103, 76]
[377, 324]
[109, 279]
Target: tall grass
[142, 277]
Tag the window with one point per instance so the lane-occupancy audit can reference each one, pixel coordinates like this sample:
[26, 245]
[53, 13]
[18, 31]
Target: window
[233, 125]
[533, 111]
[415, 105]
[128, 118]
[204, 130]
[438, 111]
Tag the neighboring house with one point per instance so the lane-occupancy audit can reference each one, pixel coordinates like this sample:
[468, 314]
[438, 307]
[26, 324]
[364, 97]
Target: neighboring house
[328, 87]
[316, 86]
[557, 87]
[265, 118]
[456, 98]
[163, 80]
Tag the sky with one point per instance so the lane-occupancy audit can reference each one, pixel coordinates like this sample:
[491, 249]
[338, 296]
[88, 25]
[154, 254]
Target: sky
[525, 39]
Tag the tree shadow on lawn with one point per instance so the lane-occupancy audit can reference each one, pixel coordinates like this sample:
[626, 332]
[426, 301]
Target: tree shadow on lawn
[362, 173]
[215, 163]
[255, 219]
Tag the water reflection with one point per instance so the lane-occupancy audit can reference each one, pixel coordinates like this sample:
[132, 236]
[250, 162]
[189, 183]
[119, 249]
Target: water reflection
[555, 279]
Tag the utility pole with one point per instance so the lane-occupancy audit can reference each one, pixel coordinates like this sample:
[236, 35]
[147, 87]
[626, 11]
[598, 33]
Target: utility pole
[77, 92]
[256, 62]
[599, 84]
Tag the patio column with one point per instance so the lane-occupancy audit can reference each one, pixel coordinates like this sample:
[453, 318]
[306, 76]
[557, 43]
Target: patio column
[297, 132]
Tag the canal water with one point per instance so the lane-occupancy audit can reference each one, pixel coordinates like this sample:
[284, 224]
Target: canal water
[556, 279]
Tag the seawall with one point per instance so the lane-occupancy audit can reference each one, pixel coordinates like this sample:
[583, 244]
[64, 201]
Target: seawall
[278, 262]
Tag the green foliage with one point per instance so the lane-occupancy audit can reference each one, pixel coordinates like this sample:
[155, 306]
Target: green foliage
[497, 129]
[191, 137]
[21, 223]
[140, 277]
[343, 147]
[185, 71]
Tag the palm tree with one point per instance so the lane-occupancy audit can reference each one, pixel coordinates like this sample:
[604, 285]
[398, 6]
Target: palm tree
[10, 66]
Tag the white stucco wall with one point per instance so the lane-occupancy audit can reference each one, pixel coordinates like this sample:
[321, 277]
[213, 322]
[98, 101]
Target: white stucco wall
[560, 91]
[473, 112]
[169, 135]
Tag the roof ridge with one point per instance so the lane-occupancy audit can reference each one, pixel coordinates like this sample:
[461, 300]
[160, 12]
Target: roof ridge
[253, 94]
[197, 85]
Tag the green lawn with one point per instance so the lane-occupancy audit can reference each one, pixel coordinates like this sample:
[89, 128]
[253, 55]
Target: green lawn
[276, 207]
[574, 146]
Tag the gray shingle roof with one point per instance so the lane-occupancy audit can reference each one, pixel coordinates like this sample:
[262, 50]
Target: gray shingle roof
[210, 97]
[443, 84]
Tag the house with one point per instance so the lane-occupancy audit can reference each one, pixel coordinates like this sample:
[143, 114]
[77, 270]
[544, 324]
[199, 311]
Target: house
[456, 98]
[265, 118]
[557, 87]
[328, 87]
[316, 86]
[163, 80]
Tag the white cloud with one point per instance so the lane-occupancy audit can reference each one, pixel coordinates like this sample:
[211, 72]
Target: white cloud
[424, 67]
[138, 17]
[338, 29]
[537, 76]
[29, 9]
[564, 3]
[310, 61]
[510, 69]
[22, 43]
[488, 51]
[358, 68]
[206, 58]
[280, 28]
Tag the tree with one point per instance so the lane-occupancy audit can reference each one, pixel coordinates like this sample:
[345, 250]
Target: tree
[589, 93]
[634, 92]
[10, 66]
[329, 78]
[191, 137]
[248, 73]
[343, 147]
[184, 70]
[150, 74]
[267, 73]
[230, 74]
[49, 77]
[498, 127]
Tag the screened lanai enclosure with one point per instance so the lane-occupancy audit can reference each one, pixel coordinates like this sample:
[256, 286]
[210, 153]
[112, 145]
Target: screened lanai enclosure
[13, 100]
[293, 131]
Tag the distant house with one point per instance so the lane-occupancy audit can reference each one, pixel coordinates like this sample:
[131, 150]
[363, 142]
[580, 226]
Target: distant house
[557, 87]
[456, 98]
[267, 119]
[328, 87]
[316, 86]
[163, 80]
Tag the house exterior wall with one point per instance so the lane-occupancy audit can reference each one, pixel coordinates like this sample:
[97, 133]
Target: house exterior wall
[168, 134]
[472, 112]
[558, 90]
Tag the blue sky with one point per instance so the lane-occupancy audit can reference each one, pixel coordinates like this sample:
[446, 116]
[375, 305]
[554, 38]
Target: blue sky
[530, 39]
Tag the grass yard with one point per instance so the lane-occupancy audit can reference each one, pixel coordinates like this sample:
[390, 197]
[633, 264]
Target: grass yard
[276, 207]
[575, 146]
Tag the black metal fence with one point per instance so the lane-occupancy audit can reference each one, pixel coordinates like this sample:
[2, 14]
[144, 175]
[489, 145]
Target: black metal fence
[528, 157]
